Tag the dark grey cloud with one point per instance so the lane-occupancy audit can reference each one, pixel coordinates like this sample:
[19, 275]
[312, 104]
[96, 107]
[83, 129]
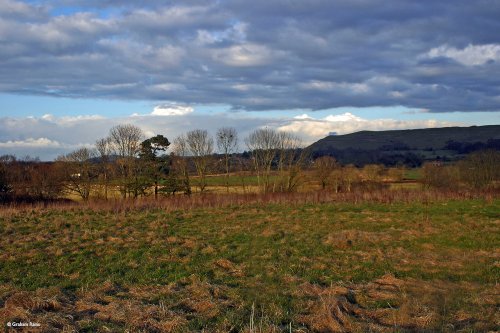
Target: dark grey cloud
[257, 55]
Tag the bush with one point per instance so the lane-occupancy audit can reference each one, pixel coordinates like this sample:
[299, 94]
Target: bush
[440, 176]
[480, 169]
[5, 188]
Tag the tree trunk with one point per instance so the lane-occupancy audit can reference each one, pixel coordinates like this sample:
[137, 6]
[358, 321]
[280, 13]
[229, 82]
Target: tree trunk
[105, 186]
[227, 173]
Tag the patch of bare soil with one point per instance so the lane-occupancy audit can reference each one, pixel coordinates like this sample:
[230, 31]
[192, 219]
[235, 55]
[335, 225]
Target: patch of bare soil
[389, 304]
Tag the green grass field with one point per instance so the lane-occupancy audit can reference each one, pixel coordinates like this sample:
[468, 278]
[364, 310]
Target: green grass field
[256, 268]
[413, 174]
[233, 180]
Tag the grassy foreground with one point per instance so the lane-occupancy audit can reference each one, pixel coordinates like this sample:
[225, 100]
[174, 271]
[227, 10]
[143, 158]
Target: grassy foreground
[330, 267]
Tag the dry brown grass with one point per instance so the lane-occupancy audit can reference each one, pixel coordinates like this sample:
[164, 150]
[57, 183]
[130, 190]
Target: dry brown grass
[388, 304]
[213, 200]
[316, 267]
[133, 307]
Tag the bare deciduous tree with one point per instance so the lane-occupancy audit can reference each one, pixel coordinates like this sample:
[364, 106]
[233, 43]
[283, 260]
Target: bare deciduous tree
[436, 175]
[263, 143]
[480, 169]
[291, 159]
[104, 148]
[201, 146]
[79, 171]
[180, 162]
[336, 178]
[227, 142]
[372, 172]
[242, 166]
[126, 142]
[349, 175]
[324, 167]
[31, 179]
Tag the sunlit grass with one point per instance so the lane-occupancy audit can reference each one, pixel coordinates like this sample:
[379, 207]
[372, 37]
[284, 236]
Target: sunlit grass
[258, 254]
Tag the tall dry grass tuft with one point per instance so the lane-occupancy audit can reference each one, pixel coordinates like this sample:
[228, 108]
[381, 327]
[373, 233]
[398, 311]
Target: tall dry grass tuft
[212, 200]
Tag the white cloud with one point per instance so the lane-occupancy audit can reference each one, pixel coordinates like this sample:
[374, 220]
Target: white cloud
[171, 110]
[31, 143]
[343, 117]
[472, 55]
[71, 120]
[312, 129]
[48, 117]
[302, 116]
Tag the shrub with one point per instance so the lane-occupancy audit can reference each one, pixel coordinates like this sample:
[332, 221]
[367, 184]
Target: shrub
[480, 169]
[440, 176]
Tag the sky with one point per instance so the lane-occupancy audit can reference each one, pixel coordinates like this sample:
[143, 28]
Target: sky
[72, 69]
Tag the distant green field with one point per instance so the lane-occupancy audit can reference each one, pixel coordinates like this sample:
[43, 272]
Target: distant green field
[413, 174]
[233, 180]
[300, 267]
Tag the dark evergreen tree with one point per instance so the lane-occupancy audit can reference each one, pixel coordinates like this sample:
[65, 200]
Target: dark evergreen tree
[155, 161]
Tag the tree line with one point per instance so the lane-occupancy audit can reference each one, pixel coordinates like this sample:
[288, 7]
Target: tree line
[127, 163]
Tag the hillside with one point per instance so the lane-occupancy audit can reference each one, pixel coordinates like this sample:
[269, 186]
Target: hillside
[410, 147]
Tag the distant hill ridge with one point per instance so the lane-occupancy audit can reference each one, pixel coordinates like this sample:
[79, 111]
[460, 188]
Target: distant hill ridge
[447, 143]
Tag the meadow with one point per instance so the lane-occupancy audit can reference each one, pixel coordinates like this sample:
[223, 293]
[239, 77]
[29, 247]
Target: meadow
[282, 263]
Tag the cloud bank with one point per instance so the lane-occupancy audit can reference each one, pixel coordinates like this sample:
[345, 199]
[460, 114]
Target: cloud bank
[260, 55]
[313, 129]
[49, 136]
